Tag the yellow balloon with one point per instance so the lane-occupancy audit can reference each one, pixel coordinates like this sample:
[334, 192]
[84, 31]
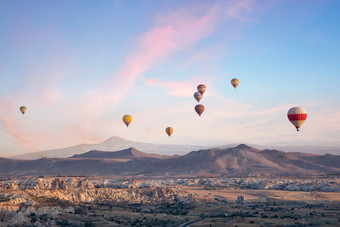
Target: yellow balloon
[169, 131]
[127, 120]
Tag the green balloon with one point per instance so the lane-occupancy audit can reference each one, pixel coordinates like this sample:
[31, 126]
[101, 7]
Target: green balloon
[23, 109]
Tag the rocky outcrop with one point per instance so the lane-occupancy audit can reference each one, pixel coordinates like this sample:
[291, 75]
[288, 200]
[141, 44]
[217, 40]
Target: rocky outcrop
[39, 201]
[25, 201]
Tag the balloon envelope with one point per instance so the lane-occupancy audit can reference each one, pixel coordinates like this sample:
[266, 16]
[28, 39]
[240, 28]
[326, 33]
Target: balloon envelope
[169, 131]
[235, 82]
[127, 120]
[23, 109]
[297, 115]
[199, 109]
[198, 96]
[201, 88]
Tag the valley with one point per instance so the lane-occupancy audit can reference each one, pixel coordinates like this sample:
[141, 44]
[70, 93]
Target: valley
[235, 186]
[98, 201]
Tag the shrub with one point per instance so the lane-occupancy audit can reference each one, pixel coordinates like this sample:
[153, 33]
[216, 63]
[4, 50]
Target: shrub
[89, 224]
[33, 219]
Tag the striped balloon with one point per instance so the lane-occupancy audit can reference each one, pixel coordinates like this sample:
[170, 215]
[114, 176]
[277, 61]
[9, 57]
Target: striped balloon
[199, 109]
[169, 131]
[201, 88]
[235, 82]
[297, 115]
[198, 96]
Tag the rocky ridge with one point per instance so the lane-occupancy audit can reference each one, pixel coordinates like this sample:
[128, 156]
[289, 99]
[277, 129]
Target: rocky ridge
[39, 201]
[46, 198]
[239, 161]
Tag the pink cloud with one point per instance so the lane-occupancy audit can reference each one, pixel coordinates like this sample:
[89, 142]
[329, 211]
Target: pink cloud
[34, 139]
[82, 133]
[182, 88]
[7, 105]
[51, 96]
[170, 33]
[15, 133]
[176, 31]
[39, 93]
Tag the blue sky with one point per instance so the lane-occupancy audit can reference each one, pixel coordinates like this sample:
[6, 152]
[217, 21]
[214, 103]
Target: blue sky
[79, 66]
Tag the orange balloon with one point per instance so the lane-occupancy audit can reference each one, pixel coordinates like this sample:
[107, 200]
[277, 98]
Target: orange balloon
[235, 82]
[169, 131]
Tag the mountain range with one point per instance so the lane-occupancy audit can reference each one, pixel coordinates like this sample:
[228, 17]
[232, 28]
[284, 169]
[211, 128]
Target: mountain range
[126, 154]
[238, 161]
[116, 143]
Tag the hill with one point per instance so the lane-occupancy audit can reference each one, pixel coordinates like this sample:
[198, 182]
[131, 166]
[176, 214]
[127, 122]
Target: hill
[130, 153]
[237, 161]
[114, 143]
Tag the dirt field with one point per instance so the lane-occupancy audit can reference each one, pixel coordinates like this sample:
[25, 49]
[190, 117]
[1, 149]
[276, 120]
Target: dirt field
[262, 195]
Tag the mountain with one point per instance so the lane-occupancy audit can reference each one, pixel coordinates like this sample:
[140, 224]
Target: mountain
[112, 144]
[116, 143]
[326, 160]
[241, 160]
[128, 154]
[302, 149]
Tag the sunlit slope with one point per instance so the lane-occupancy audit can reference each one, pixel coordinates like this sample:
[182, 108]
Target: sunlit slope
[238, 161]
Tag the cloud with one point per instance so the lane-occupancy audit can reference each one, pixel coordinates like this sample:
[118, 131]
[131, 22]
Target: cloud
[6, 104]
[39, 94]
[15, 132]
[86, 117]
[183, 88]
[177, 31]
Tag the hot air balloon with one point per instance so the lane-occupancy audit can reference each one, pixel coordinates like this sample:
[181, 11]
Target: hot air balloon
[201, 88]
[23, 109]
[127, 120]
[297, 115]
[198, 96]
[199, 109]
[235, 82]
[169, 131]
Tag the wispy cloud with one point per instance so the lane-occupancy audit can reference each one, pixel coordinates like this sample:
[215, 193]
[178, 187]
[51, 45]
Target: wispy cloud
[182, 88]
[177, 31]
[39, 94]
[15, 132]
[169, 34]
[78, 118]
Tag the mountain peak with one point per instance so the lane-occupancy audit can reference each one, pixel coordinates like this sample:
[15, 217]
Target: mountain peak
[132, 150]
[95, 151]
[129, 153]
[114, 140]
[243, 146]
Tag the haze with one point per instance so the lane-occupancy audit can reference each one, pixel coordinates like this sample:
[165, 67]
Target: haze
[80, 66]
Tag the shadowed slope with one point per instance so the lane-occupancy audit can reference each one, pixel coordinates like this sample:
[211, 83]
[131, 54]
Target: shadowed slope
[130, 153]
[238, 161]
[114, 143]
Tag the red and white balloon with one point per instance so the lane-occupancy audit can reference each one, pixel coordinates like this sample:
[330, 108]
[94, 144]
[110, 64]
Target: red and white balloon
[297, 115]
